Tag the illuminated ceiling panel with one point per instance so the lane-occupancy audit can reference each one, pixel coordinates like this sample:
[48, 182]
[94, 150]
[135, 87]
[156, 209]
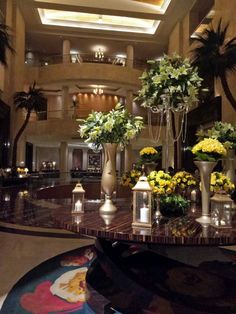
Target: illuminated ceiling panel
[159, 3]
[96, 21]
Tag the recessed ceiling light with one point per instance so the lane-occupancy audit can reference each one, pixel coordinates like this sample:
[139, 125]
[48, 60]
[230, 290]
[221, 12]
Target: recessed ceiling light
[97, 21]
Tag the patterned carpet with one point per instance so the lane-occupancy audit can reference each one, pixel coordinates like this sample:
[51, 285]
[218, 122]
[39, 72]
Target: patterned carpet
[55, 286]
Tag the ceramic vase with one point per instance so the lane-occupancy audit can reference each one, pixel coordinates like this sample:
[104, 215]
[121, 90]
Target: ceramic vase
[205, 168]
[108, 182]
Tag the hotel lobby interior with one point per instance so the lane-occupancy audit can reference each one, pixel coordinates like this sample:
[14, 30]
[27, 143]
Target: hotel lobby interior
[117, 173]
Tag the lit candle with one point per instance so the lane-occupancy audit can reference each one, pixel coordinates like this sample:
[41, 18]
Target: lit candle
[144, 196]
[193, 196]
[78, 206]
[144, 214]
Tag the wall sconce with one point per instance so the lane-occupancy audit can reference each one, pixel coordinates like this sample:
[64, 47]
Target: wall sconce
[98, 91]
[78, 199]
[99, 54]
[74, 100]
[142, 204]
[221, 211]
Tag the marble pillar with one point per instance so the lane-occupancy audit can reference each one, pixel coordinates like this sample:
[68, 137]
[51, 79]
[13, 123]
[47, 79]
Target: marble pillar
[66, 51]
[63, 160]
[128, 149]
[130, 56]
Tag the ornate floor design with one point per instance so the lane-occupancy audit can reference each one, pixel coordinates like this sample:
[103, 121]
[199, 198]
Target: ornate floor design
[56, 286]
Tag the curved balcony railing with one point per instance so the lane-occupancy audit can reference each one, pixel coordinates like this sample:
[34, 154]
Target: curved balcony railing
[85, 58]
[73, 114]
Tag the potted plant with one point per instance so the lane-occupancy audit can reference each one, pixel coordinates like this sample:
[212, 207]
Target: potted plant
[220, 183]
[171, 75]
[207, 152]
[162, 184]
[169, 87]
[184, 181]
[173, 205]
[149, 156]
[116, 127]
[226, 134]
[130, 178]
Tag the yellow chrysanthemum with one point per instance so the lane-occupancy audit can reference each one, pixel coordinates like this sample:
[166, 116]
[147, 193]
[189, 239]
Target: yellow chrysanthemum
[220, 182]
[148, 151]
[161, 182]
[211, 146]
[183, 179]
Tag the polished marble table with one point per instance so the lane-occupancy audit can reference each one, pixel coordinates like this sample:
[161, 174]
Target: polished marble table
[182, 231]
[136, 270]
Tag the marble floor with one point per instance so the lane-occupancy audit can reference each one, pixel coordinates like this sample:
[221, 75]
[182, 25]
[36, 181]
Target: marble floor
[20, 253]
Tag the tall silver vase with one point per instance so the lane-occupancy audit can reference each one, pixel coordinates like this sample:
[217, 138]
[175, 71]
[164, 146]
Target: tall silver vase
[205, 168]
[230, 165]
[108, 182]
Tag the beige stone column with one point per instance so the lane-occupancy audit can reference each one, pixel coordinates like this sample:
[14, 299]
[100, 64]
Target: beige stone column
[63, 160]
[66, 51]
[85, 159]
[20, 161]
[130, 56]
[66, 101]
[34, 164]
[128, 149]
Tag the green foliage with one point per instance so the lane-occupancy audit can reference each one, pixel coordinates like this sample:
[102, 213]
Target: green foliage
[5, 43]
[32, 100]
[215, 56]
[173, 205]
[173, 76]
[116, 126]
[222, 131]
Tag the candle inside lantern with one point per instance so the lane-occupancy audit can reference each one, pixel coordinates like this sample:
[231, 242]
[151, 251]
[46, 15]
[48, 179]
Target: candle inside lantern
[144, 214]
[78, 206]
[193, 196]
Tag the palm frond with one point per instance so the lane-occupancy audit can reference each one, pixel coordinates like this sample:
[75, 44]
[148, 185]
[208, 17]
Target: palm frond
[33, 100]
[5, 42]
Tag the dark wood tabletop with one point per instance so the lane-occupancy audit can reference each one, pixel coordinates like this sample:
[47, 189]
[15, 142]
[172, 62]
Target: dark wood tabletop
[169, 231]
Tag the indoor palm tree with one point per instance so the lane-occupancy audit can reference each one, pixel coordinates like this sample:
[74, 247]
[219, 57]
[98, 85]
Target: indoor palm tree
[4, 43]
[30, 101]
[215, 56]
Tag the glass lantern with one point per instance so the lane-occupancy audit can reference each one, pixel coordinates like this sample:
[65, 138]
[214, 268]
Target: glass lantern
[78, 199]
[221, 211]
[142, 204]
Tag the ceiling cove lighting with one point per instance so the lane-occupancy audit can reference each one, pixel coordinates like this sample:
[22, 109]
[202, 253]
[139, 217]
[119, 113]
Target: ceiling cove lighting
[97, 21]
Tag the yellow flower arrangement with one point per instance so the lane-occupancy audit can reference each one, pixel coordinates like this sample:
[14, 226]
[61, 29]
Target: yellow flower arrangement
[130, 178]
[220, 182]
[149, 154]
[209, 149]
[22, 171]
[161, 182]
[184, 179]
